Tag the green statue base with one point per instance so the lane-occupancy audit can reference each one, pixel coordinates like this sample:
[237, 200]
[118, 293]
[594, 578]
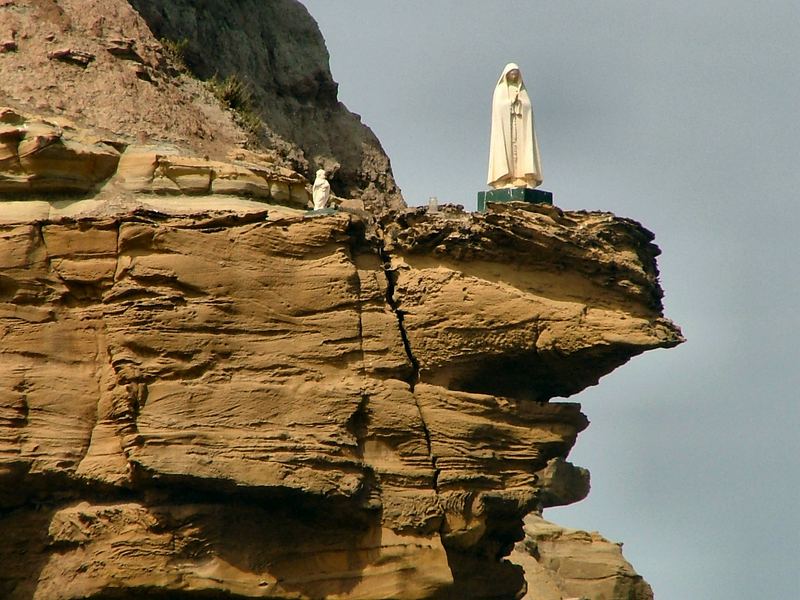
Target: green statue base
[322, 211]
[516, 194]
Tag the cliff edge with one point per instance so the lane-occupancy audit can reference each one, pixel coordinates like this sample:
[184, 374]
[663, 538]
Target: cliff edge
[208, 392]
[289, 406]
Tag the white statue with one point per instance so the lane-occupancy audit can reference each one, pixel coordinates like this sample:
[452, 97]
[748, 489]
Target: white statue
[321, 191]
[514, 152]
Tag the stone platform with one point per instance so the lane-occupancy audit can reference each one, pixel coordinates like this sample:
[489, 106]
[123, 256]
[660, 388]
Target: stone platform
[517, 194]
[322, 211]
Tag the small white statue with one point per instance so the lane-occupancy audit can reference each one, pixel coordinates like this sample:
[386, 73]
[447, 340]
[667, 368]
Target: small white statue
[321, 192]
[513, 151]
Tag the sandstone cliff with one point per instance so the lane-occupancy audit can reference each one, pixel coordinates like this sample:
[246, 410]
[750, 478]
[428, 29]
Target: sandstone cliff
[566, 563]
[206, 392]
[272, 405]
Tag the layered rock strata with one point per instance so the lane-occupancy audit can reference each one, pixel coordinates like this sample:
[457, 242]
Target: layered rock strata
[566, 563]
[267, 405]
[206, 392]
[50, 162]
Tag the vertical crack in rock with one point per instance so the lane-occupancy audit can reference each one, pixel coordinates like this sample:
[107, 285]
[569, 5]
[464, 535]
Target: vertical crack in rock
[117, 254]
[38, 230]
[357, 425]
[391, 285]
[359, 301]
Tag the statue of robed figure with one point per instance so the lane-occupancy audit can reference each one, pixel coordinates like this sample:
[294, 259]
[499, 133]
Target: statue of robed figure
[321, 190]
[513, 152]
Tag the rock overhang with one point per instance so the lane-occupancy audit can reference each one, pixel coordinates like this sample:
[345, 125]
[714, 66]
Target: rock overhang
[525, 301]
[190, 369]
[396, 375]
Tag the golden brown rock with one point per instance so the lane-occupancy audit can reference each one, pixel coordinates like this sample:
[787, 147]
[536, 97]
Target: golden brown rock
[205, 391]
[566, 563]
[39, 155]
[527, 301]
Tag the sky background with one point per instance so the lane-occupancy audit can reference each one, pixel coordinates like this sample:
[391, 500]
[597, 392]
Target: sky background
[683, 115]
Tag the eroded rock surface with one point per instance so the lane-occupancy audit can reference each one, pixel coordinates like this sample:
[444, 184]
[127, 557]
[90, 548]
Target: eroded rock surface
[255, 405]
[48, 164]
[206, 392]
[533, 292]
[566, 563]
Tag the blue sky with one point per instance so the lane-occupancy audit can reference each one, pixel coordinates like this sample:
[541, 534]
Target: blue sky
[686, 117]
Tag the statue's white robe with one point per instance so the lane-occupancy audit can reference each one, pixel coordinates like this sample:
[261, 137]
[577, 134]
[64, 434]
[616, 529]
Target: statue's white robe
[321, 191]
[506, 167]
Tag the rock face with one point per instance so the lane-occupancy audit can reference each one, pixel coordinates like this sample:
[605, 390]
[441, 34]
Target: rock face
[100, 64]
[44, 155]
[68, 64]
[597, 271]
[207, 392]
[565, 563]
[265, 407]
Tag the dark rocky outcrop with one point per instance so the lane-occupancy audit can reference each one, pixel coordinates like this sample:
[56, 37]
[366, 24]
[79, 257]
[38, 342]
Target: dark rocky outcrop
[277, 51]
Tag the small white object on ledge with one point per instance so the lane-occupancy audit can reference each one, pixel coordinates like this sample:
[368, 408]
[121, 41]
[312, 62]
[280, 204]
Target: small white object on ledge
[321, 192]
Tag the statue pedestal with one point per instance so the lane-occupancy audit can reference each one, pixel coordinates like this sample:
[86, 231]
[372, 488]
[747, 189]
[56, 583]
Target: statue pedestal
[516, 194]
[321, 211]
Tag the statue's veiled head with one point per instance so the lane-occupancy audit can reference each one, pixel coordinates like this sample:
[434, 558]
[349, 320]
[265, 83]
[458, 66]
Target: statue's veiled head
[513, 76]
